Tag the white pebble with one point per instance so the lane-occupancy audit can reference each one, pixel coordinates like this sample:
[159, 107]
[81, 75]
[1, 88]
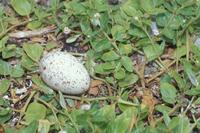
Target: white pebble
[85, 106]
[6, 97]
[62, 131]
[136, 18]
[154, 29]
[21, 90]
[67, 30]
[197, 42]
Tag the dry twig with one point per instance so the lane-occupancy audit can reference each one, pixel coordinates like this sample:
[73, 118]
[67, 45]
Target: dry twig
[161, 72]
[28, 34]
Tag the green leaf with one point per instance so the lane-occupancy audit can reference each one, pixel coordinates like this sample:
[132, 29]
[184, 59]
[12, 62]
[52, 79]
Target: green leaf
[34, 51]
[169, 33]
[129, 80]
[3, 26]
[193, 91]
[137, 32]
[100, 69]
[9, 51]
[6, 115]
[99, 5]
[166, 118]
[62, 100]
[72, 39]
[17, 71]
[187, 11]
[118, 31]
[108, 65]
[198, 124]
[168, 92]
[122, 123]
[125, 49]
[129, 8]
[197, 101]
[19, 52]
[110, 80]
[11, 130]
[34, 25]
[182, 2]
[4, 111]
[180, 124]
[44, 126]
[180, 51]
[169, 20]
[41, 85]
[127, 63]
[101, 45]
[110, 56]
[28, 63]
[107, 113]
[35, 111]
[163, 108]
[3, 41]
[75, 8]
[191, 75]
[50, 45]
[181, 82]
[5, 68]
[147, 5]
[31, 128]
[22, 7]
[120, 74]
[85, 27]
[152, 51]
[4, 86]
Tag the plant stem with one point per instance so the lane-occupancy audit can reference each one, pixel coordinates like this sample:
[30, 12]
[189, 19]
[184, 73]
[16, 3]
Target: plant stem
[23, 110]
[187, 45]
[90, 99]
[112, 42]
[190, 103]
[52, 109]
[170, 113]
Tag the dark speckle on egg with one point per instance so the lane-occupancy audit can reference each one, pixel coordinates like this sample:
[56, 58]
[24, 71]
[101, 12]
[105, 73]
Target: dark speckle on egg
[44, 68]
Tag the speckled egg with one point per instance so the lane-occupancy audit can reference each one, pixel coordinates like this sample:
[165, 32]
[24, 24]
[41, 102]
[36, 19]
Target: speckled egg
[62, 71]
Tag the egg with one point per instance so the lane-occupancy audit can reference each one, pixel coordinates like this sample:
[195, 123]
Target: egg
[63, 72]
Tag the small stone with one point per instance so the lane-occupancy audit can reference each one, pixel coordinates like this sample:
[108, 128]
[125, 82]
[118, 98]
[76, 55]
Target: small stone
[197, 42]
[154, 29]
[62, 131]
[85, 107]
[64, 72]
[6, 97]
[67, 30]
[21, 90]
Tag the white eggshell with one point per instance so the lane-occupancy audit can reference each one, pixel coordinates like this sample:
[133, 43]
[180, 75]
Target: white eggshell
[64, 72]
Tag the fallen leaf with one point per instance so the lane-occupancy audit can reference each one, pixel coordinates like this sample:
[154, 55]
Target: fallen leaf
[96, 83]
[94, 91]
[1, 129]
[150, 102]
[38, 40]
